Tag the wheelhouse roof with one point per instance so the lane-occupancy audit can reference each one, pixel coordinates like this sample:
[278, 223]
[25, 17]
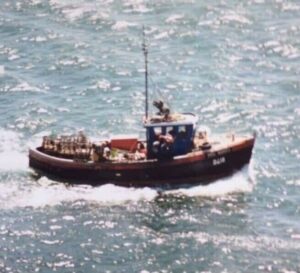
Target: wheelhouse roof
[180, 120]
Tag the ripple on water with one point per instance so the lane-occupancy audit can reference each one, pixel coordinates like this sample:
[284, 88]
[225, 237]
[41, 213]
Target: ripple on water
[235, 18]
[25, 86]
[2, 70]
[249, 243]
[72, 64]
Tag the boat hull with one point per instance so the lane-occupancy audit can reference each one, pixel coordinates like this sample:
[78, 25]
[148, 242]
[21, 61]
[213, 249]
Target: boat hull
[198, 167]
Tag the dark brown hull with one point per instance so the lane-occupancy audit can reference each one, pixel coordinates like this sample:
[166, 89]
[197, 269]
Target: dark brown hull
[197, 167]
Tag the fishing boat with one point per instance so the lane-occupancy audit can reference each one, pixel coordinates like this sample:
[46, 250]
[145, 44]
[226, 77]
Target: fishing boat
[174, 152]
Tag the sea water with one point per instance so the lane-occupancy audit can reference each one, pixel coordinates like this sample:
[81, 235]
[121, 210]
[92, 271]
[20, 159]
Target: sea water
[70, 65]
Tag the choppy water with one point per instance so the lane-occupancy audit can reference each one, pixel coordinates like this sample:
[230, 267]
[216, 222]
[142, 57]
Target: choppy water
[66, 65]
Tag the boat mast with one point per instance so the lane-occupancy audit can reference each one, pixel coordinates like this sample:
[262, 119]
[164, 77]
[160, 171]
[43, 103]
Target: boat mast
[145, 49]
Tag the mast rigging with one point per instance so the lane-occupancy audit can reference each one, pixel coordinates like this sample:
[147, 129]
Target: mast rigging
[145, 50]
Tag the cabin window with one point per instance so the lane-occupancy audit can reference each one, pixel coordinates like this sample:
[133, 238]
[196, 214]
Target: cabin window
[182, 131]
[157, 131]
[170, 130]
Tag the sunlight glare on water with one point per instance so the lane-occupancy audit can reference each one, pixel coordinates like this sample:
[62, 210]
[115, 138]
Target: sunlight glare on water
[70, 65]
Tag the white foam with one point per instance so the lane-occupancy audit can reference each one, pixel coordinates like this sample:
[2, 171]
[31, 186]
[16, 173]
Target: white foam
[2, 70]
[67, 62]
[295, 182]
[73, 10]
[63, 109]
[224, 118]
[161, 35]
[205, 23]
[174, 18]
[290, 7]
[136, 6]
[242, 181]
[13, 57]
[271, 44]
[122, 25]
[73, 14]
[40, 39]
[103, 84]
[99, 15]
[250, 242]
[13, 161]
[46, 192]
[11, 156]
[49, 193]
[25, 86]
[232, 16]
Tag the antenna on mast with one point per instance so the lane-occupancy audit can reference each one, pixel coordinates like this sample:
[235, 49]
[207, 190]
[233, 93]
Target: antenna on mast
[145, 50]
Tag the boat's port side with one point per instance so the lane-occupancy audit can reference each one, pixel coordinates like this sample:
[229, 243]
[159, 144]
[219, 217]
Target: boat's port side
[139, 173]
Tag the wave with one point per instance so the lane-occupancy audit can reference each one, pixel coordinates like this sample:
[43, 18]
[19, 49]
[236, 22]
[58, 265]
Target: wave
[250, 242]
[12, 157]
[239, 182]
[122, 25]
[46, 192]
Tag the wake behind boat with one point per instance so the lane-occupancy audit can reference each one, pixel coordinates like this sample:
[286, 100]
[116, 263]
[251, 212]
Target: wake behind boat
[174, 152]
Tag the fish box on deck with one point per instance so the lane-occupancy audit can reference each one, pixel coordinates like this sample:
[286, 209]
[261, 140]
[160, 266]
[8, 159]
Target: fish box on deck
[124, 142]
